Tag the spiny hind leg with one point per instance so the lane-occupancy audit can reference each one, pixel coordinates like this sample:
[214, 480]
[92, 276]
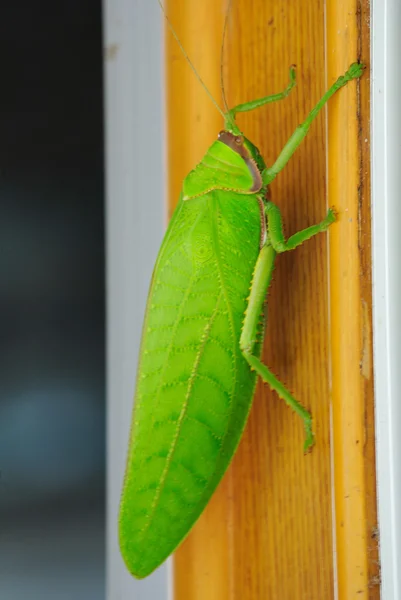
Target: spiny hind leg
[248, 340]
[268, 377]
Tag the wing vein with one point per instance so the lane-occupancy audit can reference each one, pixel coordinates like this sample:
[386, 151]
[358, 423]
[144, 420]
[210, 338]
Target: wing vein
[181, 416]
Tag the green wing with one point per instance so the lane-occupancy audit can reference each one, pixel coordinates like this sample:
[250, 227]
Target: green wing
[194, 388]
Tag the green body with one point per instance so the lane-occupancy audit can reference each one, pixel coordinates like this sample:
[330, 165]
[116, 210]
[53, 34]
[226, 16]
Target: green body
[201, 341]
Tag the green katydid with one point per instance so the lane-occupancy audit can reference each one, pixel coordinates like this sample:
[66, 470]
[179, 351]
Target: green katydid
[200, 356]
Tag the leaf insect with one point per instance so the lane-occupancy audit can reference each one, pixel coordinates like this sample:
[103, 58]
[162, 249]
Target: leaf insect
[200, 356]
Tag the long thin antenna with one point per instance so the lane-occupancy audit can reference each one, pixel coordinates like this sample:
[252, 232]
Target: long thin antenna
[222, 58]
[177, 39]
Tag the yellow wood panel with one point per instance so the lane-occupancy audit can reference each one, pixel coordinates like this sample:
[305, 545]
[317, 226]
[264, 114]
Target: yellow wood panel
[267, 533]
[351, 308]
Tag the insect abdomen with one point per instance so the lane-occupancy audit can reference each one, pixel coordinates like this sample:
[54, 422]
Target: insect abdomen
[193, 386]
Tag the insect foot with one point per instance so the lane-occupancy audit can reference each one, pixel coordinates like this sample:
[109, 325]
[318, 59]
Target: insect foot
[310, 438]
[331, 215]
[355, 71]
[333, 211]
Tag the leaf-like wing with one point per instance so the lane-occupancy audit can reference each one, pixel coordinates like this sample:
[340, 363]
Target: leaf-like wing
[194, 388]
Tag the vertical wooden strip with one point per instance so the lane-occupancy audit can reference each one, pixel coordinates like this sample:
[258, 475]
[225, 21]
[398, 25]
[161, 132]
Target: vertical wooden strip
[365, 244]
[282, 504]
[351, 306]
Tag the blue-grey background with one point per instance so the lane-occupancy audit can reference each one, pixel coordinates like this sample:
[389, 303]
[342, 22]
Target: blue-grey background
[135, 224]
[52, 334]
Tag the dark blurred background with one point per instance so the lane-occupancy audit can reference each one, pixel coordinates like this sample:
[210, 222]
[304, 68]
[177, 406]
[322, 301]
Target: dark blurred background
[52, 392]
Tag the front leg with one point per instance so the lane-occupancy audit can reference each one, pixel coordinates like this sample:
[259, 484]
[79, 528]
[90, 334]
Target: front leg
[299, 134]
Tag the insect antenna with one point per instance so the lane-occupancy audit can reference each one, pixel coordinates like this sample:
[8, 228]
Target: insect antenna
[189, 61]
[223, 92]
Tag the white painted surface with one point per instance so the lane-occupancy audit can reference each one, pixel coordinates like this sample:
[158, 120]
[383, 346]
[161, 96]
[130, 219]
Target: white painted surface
[386, 201]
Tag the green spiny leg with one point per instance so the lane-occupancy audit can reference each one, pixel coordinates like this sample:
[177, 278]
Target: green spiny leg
[269, 174]
[260, 283]
[247, 106]
[275, 229]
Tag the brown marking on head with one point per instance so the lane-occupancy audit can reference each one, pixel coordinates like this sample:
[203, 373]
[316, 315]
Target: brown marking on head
[236, 143]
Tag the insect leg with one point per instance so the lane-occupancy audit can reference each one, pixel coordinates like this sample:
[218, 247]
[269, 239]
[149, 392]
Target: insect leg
[275, 229]
[247, 106]
[260, 283]
[269, 174]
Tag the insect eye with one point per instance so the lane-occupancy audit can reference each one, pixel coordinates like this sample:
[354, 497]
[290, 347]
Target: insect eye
[239, 140]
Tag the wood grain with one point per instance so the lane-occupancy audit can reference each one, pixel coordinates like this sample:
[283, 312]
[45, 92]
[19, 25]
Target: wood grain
[351, 308]
[268, 531]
